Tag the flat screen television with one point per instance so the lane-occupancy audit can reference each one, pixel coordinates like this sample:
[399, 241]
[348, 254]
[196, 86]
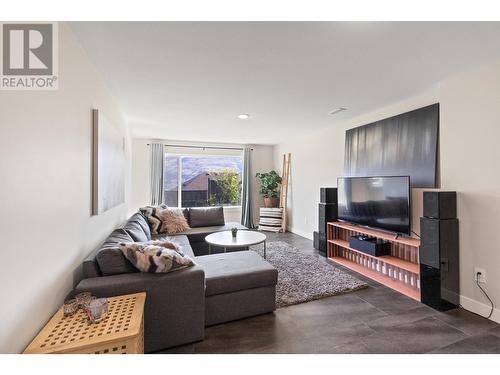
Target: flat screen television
[376, 202]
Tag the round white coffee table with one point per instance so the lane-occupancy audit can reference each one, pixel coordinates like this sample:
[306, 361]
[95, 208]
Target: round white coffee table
[243, 238]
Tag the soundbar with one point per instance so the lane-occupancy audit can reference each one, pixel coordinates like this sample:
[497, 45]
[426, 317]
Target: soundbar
[370, 245]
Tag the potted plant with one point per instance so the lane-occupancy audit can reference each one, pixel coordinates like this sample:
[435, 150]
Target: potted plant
[269, 188]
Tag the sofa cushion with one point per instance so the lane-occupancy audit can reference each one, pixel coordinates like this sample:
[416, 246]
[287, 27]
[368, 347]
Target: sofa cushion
[109, 257]
[206, 216]
[156, 256]
[90, 267]
[138, 228]
[185, 212]
[143, 222]
[231, 272]
[180, 240]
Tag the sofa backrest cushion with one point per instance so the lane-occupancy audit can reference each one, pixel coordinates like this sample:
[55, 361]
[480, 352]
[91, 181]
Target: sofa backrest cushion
[90, 267]
[185, 212]
[110, 259]
[138, 228]
[206, 216]
[143, 221]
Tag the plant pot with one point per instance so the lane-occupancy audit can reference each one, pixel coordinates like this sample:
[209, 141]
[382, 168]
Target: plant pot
[271, 202]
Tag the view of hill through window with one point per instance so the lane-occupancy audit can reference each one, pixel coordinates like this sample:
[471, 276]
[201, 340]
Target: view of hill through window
[202, 180]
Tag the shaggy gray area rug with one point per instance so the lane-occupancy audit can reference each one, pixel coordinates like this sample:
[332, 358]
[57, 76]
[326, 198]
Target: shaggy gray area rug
[303, 277]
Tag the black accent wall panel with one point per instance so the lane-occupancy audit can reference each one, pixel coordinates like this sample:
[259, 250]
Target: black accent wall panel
[403, 145]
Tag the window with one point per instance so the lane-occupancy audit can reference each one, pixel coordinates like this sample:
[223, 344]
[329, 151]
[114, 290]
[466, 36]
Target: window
[192, 180]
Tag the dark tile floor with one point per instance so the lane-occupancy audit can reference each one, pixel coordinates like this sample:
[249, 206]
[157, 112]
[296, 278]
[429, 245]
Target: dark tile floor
[373, 320]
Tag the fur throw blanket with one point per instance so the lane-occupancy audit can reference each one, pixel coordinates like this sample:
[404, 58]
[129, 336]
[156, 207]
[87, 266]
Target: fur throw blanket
[155, 256]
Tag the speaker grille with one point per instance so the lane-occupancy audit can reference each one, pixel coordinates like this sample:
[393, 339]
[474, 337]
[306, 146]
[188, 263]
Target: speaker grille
[429, 245]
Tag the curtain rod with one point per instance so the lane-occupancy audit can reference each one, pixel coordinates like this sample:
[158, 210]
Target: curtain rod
[204, 147]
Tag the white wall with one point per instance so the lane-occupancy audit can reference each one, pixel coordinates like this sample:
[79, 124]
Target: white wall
[45, 191]
[469, 156]
[262, 161]
[318, 159]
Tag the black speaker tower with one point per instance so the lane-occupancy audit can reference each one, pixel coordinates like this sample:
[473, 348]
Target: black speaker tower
[316, 240]
[440, 204]
[327, 211]
[328, 195]
[439, 257]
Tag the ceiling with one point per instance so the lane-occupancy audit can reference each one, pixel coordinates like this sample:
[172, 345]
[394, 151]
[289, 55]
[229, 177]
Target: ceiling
[189, 80]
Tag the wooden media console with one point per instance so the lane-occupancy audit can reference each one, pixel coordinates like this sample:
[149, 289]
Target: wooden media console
[399, 271]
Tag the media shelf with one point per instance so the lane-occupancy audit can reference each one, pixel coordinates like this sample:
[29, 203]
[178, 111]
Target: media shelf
[388, 259]
[399, 271]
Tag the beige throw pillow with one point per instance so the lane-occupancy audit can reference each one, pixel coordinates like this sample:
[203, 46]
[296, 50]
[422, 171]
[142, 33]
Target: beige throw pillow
[155, 256]
[172, 221]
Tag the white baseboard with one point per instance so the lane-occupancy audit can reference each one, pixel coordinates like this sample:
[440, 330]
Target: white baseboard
[479, 308]
[301, 233]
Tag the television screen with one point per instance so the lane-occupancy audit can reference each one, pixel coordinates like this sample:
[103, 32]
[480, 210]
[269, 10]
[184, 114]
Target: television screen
[377, 202]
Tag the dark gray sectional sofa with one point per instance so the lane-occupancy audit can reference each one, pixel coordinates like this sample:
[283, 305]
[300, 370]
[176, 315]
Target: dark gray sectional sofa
[221, 287]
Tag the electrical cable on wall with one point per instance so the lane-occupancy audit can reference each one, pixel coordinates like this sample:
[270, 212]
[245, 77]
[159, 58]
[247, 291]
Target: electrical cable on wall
[482, 290]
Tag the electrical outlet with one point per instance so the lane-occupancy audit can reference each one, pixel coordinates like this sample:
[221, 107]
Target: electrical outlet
[305, 219]
[482, 277]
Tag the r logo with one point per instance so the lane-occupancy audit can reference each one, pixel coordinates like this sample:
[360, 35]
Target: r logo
[27, 49]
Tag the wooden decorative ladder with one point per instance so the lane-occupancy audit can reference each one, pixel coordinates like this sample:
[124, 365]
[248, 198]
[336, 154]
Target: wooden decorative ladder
[285, 174]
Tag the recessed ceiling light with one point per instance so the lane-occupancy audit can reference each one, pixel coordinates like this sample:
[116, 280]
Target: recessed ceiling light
[338, 110]
[243, 116]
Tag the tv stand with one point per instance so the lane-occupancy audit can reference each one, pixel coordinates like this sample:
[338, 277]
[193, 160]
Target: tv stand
[399, 271]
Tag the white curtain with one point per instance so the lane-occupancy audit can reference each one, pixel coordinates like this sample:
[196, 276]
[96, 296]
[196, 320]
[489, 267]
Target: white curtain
[246, 190]
[156, 174]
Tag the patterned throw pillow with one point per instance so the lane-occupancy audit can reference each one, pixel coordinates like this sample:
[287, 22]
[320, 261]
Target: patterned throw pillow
[173, 221]
[151, 214]
[155, 256]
